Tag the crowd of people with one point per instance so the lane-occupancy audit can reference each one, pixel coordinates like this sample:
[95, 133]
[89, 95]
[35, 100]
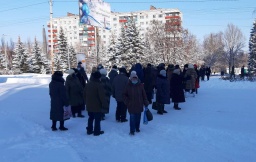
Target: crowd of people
[132, 90]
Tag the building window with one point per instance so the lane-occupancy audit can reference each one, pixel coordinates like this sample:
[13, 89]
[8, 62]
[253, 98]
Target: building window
[141, 17]
[154, 16]
[160, 15]
[141, 23]
[114, 19]
[104, 36]
[55, 22]
[75, 37]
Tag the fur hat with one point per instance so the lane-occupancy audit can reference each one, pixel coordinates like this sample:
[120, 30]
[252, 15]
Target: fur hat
[79, 62]
[176, 71]
[103, 71]
[122, 70]
[163, 72]
[190, 66]
[71, 71]
[133, 75]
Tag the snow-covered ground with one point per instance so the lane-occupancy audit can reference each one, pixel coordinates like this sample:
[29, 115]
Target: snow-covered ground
[218, 125]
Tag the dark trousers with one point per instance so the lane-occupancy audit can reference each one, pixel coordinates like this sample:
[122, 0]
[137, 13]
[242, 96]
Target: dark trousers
[54, 123]
[208, 77]
[76, 109]
[135, 122]
[149, 96]
[96, 118]
[121, 111]
[202, 77]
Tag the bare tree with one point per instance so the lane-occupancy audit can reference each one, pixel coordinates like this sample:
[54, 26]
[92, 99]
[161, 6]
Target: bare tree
[234, 41]
[213, 48]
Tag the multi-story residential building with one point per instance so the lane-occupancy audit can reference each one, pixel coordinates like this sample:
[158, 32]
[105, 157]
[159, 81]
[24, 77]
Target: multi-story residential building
[83, 37]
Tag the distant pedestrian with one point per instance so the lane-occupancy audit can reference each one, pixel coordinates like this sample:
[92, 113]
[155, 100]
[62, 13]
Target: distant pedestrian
[208, 72]
[82, 71]
[112, 74]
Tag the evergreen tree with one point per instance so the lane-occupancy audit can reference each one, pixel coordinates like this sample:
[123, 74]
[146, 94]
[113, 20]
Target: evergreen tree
[252, 48]
[130, 47]
[61, 58]
[35, 58]
[72, 57]
[2, 60]
[120, 48]
[111, 51]
[19, 61]
[45, 64]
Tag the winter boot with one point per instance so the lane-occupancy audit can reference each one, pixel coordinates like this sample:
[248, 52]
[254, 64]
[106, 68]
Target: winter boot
[54, 125]
[176, 106]
[62, 128]
[186, 94]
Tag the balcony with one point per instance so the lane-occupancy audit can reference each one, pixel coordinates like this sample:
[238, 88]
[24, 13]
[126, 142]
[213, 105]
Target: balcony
[122, 21]
[91, 28]
[91, 39]
[54, 31]
[54, 41]
[172, 17]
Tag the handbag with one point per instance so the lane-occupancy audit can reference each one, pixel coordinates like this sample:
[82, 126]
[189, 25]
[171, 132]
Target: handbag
[67, 112]
[149, 115]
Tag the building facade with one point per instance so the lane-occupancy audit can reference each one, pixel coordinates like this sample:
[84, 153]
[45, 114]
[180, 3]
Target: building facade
[83, 37]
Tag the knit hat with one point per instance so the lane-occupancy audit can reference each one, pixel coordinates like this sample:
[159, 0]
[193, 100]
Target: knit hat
[103, 71]
[171, 66]
[163, 72]
[100, 67]
[133, 75]
[71, 71]
[134, 72]
[176, 71]
[122, 70]
[79, 62]
[190, 66]
[177, 66]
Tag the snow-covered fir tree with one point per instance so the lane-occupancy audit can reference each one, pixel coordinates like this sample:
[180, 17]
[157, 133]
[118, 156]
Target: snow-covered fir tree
[72, 56]
[20, 57]
[2, 60]
[252, 48]
[120, 49]
[39, 61]
[61, 58]
[35, 58]
[130, 46]
[111, 51]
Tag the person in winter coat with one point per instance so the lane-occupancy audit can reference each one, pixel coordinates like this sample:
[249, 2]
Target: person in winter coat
[134, 98]
[75, 92]
[190, 77]
[208, 72]
[112, 74]
[82, 71]
[202, 72]
[177, 89]
[148, 82]
[118, 86]
[163, 91]
[96, 104]
[108, 90]
[139, 71]
[242, 72]
[197, 79]
[57, 92]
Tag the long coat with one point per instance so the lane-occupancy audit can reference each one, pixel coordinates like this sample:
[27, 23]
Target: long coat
[148, 81]
[57, 92]
[177, 88]
[135, 97]
[107, 87]
[190, 77]
[118, 86]
[163, 90]
[75, 91]
[95, 96]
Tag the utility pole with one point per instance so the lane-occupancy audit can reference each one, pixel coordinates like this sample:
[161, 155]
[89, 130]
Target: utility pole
[52, 54]
[5, 52]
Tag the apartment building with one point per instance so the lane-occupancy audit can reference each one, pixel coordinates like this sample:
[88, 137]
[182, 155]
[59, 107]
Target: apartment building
[84, 36]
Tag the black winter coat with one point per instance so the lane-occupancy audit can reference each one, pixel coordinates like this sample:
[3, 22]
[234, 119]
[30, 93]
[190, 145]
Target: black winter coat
[108, 92]
[112, 74]
[177, 88]
[163, 90]
[57, 92]
[148, 81]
